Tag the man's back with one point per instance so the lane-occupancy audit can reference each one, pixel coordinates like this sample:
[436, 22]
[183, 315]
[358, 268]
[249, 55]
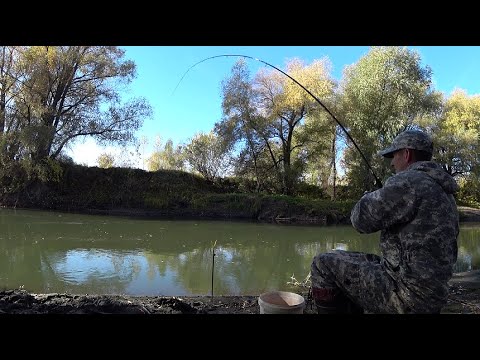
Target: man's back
[418, 217]
[417, 214]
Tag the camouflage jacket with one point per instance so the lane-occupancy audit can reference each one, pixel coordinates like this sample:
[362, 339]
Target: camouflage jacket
[417, 214]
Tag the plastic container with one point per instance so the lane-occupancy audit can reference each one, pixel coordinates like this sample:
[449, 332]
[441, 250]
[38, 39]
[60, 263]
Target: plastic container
[281, 302]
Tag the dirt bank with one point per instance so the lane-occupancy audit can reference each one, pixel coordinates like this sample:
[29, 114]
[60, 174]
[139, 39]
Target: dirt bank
[464, 299]
[468, 214]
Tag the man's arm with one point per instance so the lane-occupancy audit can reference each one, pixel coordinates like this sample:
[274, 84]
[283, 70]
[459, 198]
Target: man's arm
[395, 203]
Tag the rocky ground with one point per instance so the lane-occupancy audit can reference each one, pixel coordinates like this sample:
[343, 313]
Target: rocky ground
[464, 299]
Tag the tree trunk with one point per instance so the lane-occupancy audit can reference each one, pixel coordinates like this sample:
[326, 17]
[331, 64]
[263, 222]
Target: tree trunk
[334, 164]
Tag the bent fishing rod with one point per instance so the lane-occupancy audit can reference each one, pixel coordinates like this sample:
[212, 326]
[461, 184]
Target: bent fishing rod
[377, 180]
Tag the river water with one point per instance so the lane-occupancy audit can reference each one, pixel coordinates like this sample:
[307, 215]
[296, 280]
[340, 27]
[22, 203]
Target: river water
[45, 252]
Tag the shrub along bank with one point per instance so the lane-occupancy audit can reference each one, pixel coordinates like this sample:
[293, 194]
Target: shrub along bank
[166, 194]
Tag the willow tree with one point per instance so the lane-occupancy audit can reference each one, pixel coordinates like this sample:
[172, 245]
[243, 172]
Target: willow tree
[385, 92]
[240, 123]
[9, 92]
[457, 134]
[166, 157]
[456, 137]
[263, 115]
[320, 133]
[105, 161]
[67, 92]
[207, 154]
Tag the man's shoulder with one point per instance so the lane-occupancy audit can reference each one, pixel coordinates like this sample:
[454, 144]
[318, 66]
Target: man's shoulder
[402, 178]
[409, 177]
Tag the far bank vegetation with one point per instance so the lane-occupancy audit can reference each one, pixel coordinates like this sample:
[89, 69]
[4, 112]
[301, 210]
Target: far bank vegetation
[274, 154]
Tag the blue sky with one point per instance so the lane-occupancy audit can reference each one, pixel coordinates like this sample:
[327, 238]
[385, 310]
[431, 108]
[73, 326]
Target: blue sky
[195, 105]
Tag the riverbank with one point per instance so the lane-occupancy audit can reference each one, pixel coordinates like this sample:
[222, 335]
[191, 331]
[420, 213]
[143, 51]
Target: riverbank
[168, 194]
[464, 298]
[468, 214]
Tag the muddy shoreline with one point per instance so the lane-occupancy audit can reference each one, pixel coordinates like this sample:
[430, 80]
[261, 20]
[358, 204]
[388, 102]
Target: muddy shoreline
[464, 299]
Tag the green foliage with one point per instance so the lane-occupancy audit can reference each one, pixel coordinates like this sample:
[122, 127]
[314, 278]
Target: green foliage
[310, 191]
[62, 158]
[48, 170]
[469, 193]
[283, 141]
[385, 92]
[207, 154]
[343, 193]
[27, 183]
[334, 211]
[320, 152]
[13, 178]
[155, 202]
[105, 161]
[61, 93]
[227, 205]
[167, 158]
[262, 118]
[27, 171]
[456, 133]
[162, 193]
[239, 184]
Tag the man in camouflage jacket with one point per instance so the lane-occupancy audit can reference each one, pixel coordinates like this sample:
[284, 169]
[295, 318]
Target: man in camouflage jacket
[417, 215]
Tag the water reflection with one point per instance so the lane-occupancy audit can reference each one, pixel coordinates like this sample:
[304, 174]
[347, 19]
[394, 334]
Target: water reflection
[80, 254]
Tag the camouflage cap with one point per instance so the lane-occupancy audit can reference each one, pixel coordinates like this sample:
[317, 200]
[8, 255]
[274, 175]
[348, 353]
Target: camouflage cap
[409, 139]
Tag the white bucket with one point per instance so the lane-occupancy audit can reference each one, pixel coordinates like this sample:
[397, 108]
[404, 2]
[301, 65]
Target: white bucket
[281, 302]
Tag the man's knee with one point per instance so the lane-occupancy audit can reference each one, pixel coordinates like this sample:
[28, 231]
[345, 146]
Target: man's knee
[323, 271]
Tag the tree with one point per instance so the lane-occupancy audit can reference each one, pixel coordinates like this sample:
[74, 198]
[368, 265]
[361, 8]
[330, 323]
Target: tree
[456, 133]
[105, 161]
[321, 149]
[238, 127]
[9, 91]
[167, 158]
[385, 92]
[265, 113]
[67, 92]
[207, 155]
[142, 143]
[456, 137]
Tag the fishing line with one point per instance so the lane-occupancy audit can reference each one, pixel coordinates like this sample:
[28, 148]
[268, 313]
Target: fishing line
[377, 180]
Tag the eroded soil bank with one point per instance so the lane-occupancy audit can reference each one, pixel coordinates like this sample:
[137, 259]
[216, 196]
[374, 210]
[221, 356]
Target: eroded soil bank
[464, 299]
